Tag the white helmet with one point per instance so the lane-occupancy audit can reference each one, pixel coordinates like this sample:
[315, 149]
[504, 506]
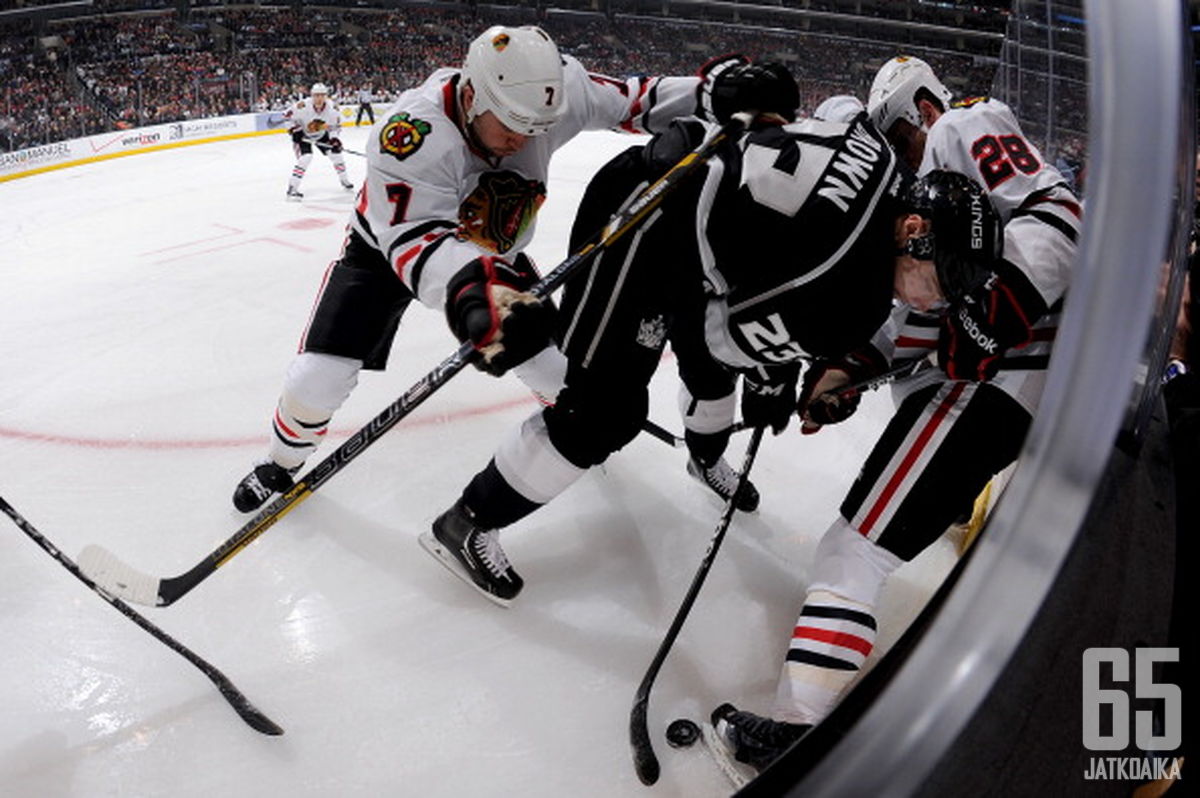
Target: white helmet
[319, 88]
[517, 74]
[893, 92]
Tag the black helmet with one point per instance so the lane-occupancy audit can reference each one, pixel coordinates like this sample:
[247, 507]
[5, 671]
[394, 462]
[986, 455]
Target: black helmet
[964, 233]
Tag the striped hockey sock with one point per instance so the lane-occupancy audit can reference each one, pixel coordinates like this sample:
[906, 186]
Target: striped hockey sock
[832, 639]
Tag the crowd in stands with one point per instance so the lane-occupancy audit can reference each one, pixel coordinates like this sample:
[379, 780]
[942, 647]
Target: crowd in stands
[133, 69]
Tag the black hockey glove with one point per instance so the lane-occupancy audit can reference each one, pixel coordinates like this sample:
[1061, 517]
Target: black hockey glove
[335, 144]
[988, 320]
[488, 303]
[769, 396]
[731, 84]
[822, 400]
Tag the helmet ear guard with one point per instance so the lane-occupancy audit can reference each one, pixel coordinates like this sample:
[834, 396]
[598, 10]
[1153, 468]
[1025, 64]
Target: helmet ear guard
[517, 74]
[964, 239]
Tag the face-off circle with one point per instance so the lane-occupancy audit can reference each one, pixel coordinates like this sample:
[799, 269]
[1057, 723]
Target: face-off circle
[682, 733]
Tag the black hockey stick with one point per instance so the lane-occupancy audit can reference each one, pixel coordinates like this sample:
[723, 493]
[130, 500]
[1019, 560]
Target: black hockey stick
[247, 711]
[644, 760]
[902, 369]
[120, 579]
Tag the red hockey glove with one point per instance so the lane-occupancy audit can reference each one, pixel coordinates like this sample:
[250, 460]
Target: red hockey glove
[994, 317]
[487, 302]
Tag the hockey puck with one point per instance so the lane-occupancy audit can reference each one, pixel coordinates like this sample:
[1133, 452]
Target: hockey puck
[682, 733]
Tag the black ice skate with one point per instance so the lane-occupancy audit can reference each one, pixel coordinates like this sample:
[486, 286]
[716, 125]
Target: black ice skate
[753, 739]
[722, 480]
[294, 195]
[473, 554]
[260, 484]
[346, 184]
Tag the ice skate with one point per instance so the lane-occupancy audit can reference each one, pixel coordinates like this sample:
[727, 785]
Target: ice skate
[264, 481]
[753, 739]
[721, 479]
[294, 195]
[473, 554]
[346, 184]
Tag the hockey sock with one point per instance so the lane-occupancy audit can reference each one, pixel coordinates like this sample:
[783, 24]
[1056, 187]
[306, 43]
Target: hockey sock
[339, 165]
[299, 169]
[531, 464]
[830, 642]
[706, 425]
[836, 629]
[315, 387]
[297, 431]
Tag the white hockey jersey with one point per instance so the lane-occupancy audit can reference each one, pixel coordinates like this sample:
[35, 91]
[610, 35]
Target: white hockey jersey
[982, 139]
[431, 202]
[315, 123]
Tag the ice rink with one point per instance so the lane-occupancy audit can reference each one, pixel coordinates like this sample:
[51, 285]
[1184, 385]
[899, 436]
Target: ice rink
[150, 306]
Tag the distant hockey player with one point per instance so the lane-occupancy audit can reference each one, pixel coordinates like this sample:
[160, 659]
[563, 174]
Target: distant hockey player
[365, 98]
[315, 122]
[991, 327]
[456, 173]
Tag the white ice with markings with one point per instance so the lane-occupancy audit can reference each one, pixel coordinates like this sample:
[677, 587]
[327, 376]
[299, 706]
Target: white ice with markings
[150, 307]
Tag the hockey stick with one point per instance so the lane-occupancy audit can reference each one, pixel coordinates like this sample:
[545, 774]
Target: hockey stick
[120, 579]
[644, 760]
[902, 369]
[241, 705]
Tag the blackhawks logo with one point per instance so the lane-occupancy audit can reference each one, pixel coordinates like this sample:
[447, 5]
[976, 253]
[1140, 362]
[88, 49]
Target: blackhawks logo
[403, 135]
[499, 210]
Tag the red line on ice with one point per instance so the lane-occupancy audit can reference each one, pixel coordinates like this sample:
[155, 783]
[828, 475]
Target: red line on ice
[256, 440]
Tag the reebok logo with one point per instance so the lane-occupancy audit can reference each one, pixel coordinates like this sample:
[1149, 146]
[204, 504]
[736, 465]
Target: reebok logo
[981, 339]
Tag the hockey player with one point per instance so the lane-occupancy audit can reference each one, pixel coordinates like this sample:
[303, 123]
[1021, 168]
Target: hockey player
[315, 122]
[455, 176]
[991, 329]
[757, 302]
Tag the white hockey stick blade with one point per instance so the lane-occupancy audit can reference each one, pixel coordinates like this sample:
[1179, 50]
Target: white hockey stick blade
[116, 578]
[431, 545]
[720, 754]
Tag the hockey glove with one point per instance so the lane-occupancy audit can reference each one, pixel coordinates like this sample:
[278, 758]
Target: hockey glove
[731, 84]
[992, 318]
[769, 396]
[335, 145]
[488, 303]
[821, 399]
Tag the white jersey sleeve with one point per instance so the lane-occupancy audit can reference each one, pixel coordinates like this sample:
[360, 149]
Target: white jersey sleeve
[635, 105]
[982, 139]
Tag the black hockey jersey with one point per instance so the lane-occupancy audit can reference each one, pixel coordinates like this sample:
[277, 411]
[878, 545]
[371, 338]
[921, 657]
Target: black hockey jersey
[795, 226]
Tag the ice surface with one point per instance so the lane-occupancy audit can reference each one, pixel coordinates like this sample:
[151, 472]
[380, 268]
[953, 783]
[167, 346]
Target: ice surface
[150, 306]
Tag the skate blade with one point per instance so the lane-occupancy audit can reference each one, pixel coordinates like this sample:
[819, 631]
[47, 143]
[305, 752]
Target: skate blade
[721, 755]
[431, 545]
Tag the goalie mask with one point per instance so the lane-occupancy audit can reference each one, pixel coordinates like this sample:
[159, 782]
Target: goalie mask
[516, 74]
[964, 238]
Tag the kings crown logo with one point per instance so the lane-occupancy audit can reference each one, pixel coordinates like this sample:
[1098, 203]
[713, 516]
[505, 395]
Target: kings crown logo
[403, 135]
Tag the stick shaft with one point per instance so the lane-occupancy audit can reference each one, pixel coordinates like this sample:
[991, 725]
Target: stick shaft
[644, 759]
[247, 711]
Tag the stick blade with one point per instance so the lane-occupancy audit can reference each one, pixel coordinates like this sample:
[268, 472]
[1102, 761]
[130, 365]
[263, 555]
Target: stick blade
[254, 717]
[644, 760]
[118, 579]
